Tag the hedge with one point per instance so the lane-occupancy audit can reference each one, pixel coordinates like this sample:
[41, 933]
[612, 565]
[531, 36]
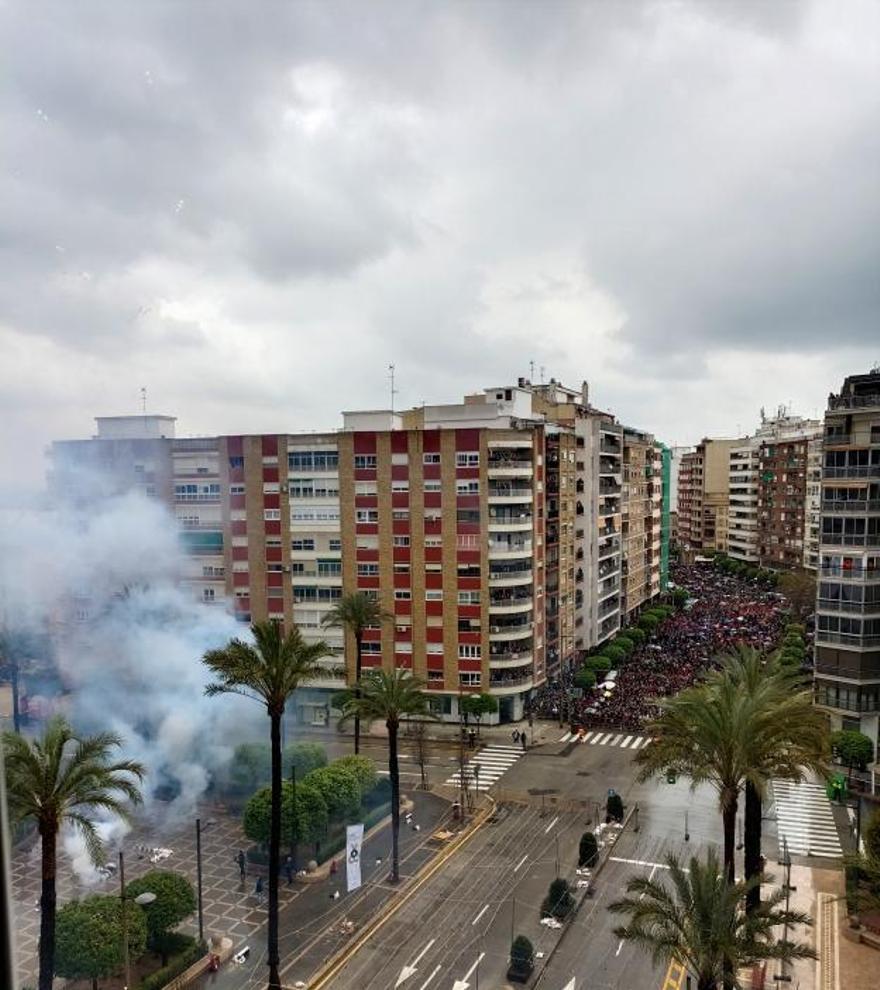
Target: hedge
[179, 964]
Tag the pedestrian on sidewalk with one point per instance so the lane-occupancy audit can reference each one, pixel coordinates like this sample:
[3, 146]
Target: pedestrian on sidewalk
[288, 870]
[258, 890]
[241, 862]
[515, 736]
[522, 739]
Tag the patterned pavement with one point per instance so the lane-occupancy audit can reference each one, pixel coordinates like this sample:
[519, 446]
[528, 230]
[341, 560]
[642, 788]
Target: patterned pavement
[230, 906]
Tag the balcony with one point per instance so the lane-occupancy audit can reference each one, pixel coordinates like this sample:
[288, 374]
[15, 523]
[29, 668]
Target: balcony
[849, 539]
[852, 471]
[856, 608]
[504, 661]
[851, 505]
[509, 467]
[509, 494]
[511, 685]
[611, 447]
[837, 439]
[609, 488]
[504, 578]
[854, 401]
[503, 634]
[846, 639]
[857, 574]
[609, 607]
[509, 551]
[516, 522]
[510, 604]
[608, 549]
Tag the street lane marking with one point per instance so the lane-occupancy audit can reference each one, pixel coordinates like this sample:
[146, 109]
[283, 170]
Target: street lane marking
[617, 739]
[586, 738]
[520, 863]
[431, 977]
[639, 862]
[483, 910]
[470, 972]
[626, 742]
[411, 968]
[566, 737]
[595, 738]
[555, 820]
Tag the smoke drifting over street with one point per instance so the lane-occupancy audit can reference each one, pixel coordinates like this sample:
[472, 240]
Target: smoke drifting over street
[125, 640]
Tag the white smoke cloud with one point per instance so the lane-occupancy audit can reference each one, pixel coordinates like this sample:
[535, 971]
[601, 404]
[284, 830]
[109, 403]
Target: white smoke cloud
[126, 640]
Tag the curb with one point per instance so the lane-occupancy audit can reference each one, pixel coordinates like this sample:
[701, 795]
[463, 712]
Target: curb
[340, 959]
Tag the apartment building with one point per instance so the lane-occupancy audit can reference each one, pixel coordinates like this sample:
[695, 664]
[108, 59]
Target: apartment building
[847, 670]
[641, 530]
[704, 496]
[774, 494]
[490, 530]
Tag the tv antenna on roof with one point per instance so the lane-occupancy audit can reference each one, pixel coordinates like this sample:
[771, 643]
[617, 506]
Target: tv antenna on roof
[393, 389]
[144, 400]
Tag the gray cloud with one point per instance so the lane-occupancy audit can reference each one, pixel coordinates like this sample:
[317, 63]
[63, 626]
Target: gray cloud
[254, 210]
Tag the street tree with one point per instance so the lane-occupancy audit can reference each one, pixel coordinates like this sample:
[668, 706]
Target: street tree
[303, 757]
[340, 789]
[478, 705]
[799, 588]
[356, 613]
[588, 850]
[389, 696]
[269, 671]
[697, 917]
[854, 749]
[60, 779]
[559, 902]
[88, 938]
[175, 902]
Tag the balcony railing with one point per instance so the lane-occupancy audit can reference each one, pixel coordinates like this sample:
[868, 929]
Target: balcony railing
[858, 574]
[837, 605]
[851, 505]
[853, 401]
[849, 539]
[846, 639]
[852, 471]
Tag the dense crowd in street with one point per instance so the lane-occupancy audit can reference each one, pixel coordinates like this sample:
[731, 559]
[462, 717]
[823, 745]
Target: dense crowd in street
[723, 611]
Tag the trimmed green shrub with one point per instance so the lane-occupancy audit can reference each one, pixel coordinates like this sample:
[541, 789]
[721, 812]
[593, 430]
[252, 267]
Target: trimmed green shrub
[522, 959]
[588, 850]
[558, 903]
[614, 807]
[598, 664]
[636, 635]
[177, 965]
[585, 679]
[305, 756]
[649, 622]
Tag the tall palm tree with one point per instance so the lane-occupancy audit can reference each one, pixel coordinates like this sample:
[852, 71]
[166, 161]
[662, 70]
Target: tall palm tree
[788, 738]
[698, 919]
[389, 695]
[268, 671]
[703, 733]
[62, 779]
[355, 613]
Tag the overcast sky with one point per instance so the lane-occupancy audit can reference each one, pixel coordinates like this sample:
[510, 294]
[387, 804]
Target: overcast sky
[253, 208]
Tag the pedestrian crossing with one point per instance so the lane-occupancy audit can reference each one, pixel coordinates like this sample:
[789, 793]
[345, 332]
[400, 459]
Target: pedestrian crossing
[487, 767]
[622, 740]
[804, 819]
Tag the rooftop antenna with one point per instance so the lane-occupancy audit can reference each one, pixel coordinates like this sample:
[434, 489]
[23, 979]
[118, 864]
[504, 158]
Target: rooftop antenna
[542, 374]
[393, 389]
[144, 400]
[531, 371]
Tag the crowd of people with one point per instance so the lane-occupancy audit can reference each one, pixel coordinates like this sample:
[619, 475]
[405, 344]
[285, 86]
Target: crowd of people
[722, 611]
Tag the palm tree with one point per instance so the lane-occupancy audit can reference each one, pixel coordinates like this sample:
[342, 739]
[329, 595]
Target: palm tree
[703, 733]
[698, 920]
[389, 695]
[355, 613]
[62, 779]
[789, 736]
[268, 671]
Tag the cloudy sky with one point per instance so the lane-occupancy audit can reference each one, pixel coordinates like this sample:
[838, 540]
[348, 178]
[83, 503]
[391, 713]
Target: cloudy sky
[253, 208]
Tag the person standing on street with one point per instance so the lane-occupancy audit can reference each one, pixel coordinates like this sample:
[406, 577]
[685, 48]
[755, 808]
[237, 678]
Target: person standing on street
[288, 870]
[241, 863]
[258, 890]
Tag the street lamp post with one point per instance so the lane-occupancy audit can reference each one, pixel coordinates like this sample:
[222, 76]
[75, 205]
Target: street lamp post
[199, 830]
[147, 897]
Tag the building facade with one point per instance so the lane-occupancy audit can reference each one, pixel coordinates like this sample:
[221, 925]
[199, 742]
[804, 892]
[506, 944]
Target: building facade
[847, 666]
[704, 496]
[494, 532]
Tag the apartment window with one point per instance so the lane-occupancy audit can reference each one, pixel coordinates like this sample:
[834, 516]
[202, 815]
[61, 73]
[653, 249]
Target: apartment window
[276, 568]
[435, 676]
[470, 678]
[433, 567]
[364, 462]
[304, 544]
[368, 570]
[400, 459]
[469, 570]
[433, 485]
[468, 598]
[208, 594]
[401, 568]
[272, 541]
[401, 515]
[434, 595]
[313, 460]
[434, 648]
[236, 463]
[212, 572]
[371, 648]
[430, 458]
[301, 488]
[471, 516]
[400, 486]
[298, 567]
[468, 651]
[367, 542]
[433, 541]
[467, 487]
[236, 489]
[401, 541]
[367, 515]
[271, 514]
[365, 488]
[403, 646]
[329, 568]
[335, 544]
[402, 594]
[189, 521]
[468, 458]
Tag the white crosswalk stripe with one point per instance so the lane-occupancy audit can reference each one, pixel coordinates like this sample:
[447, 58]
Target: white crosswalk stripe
[804, 819]
[487, 767]
[601, 738]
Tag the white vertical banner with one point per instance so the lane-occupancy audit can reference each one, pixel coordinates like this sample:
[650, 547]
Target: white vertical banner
[354, 837]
